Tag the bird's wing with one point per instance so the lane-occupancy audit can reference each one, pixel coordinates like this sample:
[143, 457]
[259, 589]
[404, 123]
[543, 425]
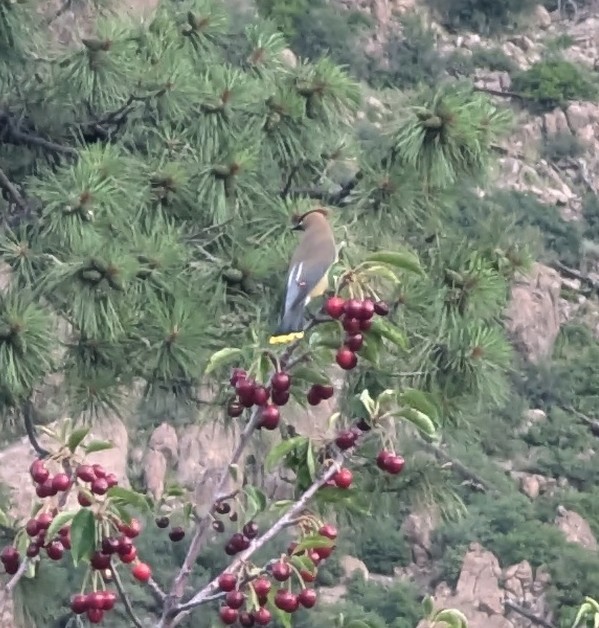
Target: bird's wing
[301, 280]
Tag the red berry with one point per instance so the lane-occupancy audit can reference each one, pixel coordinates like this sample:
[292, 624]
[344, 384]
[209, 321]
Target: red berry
[324, 552]
[250, 530]
[334, 306]
[66, 541]
[346, 439]
[228, 615]
[352, 308]
[367, 310]
[262, 616]
[61, 482]
[32, 527]
[261, 395]
[46, 489]
[129, 556]
[365, 325]
[132, 529]
[343, 478]
[9, 554]
[328, 530]
[79, 604]
[235, 599]
[381, 308]
[245, 619]
[313, 396]
[307, 598]
[244, 389]
[99, 470]
[38, 471]
[230, 549]
[269, 417]
[83, 499]
[95, 600]
[354, 342]
[55, 550]
[279, 397]
[110, 545]
[381, 459]
[281, 571]
[44, 520]
[33, 549]
[11, 568]
[351, 325]
[234, 409]
[162, 522]
[261, 587]
[314, 556]
[109, 600]
[326, 391]
[286, 601]
[99, 560]
[307, 576]
[227, 581]
[99, 486]
[176, 534]
[280, 381]
[142, 572]
[85, 473]
[111, 479]
[95, 615]
[236, 375]
[394, 465]
[346, 358]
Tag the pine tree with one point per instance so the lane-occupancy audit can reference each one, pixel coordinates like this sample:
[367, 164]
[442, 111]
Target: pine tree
[149, 174]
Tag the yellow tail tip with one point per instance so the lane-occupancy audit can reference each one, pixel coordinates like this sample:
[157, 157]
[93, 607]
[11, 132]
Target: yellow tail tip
[285, 338]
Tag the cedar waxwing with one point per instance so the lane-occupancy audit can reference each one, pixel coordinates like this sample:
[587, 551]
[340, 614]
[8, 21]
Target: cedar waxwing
[308, 273]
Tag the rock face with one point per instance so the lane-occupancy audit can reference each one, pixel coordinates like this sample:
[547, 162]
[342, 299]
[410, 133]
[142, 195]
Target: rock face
[576, 529]
[532, 317]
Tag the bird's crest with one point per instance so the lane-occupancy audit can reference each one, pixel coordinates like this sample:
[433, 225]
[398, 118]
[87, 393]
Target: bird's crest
[296, 219]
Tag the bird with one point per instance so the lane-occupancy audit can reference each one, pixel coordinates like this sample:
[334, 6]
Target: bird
[307, 276]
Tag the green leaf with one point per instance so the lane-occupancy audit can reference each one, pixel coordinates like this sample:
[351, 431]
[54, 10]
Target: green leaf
[368, 402]
[428, 606]
[98, 445]
[258, 496]
[452, 617]
[324, 339]
[371, 349]
[390, 332]
[4, 520]
[220, 357]
[312, 376]
[174, 491]
[281, 450]
[83, 535]
[234, 472]
[419, 420]
[127, 497]
[76, 437]
[310, 462]
[398, 259]
[420, 401]
[313, 541]
[61, 519]
[302, 562]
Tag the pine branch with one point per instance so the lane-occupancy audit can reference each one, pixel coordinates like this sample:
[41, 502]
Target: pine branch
[207, 594]
[27, 411]
[11, 134]
[7, 185]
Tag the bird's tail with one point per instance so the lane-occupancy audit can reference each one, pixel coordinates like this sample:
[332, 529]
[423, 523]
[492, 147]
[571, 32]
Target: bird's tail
[291, 326]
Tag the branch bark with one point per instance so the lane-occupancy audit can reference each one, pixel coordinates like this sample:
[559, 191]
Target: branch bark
[125, 599]
[27, 412]
[8, 185]
[210, 591]
[525, 613]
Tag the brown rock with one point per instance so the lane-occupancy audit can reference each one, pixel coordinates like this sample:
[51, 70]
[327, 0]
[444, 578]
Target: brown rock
[576, 529]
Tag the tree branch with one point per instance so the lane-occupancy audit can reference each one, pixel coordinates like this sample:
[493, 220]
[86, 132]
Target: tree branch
[208, 593]
[27, 412]
[530, 616]
[125, 599]
[8, 185]
[12, 583]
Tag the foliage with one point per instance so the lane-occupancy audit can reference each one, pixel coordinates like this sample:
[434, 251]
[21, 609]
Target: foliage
[554, 82]
[494, 59]
[482, 16]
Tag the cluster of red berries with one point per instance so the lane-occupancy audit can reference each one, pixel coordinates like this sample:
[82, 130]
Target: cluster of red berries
[240, 541]
[284, 599]
[250, 393]
[97, 478]
[356, 318]
[93, 604]
[390, 462]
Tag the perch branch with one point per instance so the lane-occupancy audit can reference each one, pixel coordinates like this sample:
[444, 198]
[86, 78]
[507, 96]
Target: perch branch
[125, 599]
[8, 185]
[11, 134]
[12, 583]
[27, 411]
[288, 519]
[530, 616]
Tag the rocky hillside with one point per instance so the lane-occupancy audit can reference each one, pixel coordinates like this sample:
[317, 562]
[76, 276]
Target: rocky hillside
[553, 295]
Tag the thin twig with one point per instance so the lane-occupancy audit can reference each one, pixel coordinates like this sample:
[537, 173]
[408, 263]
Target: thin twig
[8, 185]
[157, 593]
[288, 519]
[12, 583]
[125, 599]
[27, 411]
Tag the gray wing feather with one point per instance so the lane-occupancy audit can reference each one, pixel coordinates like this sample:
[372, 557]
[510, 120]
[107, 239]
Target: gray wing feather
[301, 280]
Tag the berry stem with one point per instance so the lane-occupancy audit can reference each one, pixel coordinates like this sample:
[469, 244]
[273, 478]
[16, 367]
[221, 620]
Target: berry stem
[125, 599]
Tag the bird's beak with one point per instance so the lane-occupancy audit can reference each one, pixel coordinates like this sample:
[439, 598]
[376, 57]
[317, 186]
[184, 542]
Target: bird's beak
[295, 227]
